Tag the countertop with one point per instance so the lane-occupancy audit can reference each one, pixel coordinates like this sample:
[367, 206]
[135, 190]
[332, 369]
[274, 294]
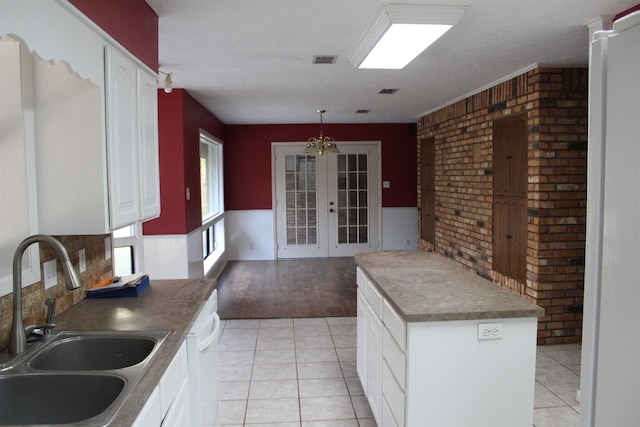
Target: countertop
[167, 304]
[426, 287]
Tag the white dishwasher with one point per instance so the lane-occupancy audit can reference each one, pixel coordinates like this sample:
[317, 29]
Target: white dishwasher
[202, 353]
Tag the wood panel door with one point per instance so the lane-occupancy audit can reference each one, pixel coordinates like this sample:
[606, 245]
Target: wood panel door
[510, 143]
[510, 237]
[510, 179]
[427, 190]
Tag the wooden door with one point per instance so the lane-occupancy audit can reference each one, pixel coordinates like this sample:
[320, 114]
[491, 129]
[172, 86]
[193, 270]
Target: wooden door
[427, 190]
[510, 149]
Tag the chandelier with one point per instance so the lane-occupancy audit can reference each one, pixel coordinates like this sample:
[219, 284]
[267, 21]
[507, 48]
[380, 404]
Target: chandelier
[322, 144]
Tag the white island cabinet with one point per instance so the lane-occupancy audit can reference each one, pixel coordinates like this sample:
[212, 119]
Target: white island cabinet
[440, 346]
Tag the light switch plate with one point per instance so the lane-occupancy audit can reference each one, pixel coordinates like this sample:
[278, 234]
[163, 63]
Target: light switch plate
[107, 248]
[50, 273]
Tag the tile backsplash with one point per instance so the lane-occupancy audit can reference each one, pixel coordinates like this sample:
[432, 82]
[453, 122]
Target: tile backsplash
[34, 296]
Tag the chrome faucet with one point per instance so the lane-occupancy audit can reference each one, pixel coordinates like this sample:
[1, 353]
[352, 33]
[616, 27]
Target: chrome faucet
[18, 337]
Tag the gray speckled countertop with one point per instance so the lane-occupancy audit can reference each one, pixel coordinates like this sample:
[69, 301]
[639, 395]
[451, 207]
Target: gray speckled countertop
[167, 304]
[425, 287]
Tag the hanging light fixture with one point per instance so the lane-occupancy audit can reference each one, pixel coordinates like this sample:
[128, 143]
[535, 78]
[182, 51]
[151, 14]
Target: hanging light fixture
[168, 83]
[322, 144]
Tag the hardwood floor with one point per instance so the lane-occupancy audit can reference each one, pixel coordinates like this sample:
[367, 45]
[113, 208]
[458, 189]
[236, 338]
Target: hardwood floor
[319, 287]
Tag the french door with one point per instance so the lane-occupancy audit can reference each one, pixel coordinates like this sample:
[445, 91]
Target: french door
[326, 206]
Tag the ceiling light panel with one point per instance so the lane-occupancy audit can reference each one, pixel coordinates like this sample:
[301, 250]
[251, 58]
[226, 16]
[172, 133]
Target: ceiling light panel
[402, 32]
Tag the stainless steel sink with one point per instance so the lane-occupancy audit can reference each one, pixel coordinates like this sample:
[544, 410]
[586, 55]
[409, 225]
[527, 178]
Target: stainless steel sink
[92, 353]
[76, 377]
[56, 398]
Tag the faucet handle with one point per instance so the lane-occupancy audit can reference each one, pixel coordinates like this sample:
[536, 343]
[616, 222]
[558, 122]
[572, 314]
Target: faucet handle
[45, 329]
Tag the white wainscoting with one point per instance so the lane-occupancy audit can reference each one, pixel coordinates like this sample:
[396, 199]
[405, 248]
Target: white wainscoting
[174, 256]
[251, 234]
[399, 228]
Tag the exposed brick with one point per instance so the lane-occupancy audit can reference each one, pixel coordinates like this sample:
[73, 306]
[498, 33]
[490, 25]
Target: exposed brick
[555, 101]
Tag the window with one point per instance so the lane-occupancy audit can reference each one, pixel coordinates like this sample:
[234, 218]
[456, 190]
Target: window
[212, 199]
[127, 246]
[210, 177]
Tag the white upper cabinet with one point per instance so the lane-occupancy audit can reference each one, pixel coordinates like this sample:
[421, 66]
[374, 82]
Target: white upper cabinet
[132, 140]
[122, 139]
[148, 145]
[95, 122]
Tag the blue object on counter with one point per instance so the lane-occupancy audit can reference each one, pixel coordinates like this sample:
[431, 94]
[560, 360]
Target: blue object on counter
[130, 289]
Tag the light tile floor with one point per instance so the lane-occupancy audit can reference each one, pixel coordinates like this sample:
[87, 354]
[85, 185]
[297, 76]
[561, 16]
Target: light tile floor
[302, 373]
[557, 383]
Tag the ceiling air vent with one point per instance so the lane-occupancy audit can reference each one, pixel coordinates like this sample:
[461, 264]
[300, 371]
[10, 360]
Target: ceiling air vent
[362, 111]
[324, 59]
[388, 91]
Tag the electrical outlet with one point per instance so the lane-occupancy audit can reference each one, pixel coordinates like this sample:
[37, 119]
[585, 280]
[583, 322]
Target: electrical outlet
[82, 261]
[489, 331]
[50, 273]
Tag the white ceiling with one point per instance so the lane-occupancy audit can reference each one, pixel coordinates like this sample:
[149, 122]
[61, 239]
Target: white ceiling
[250, 61]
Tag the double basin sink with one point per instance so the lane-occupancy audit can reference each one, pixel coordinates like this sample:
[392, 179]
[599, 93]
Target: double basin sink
[80, 378]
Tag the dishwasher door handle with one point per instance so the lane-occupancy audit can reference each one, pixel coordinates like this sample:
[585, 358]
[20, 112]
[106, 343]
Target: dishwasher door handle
[205, 343]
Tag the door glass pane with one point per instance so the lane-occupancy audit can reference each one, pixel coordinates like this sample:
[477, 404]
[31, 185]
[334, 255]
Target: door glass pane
[352, 198]
[300, 199]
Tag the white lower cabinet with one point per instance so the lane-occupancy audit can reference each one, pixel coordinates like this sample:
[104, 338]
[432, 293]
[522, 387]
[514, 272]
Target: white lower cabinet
[387, 417]
[361, 355]
[169, 404]
[374, 363]
[151, 413]
[438, 373]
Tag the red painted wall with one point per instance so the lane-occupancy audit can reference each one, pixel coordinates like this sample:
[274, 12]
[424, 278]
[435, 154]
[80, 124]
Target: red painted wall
[131, 22]
[247, 159]
[180, 119]
[627, 12]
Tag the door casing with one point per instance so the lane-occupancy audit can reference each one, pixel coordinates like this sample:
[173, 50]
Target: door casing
[375, 182]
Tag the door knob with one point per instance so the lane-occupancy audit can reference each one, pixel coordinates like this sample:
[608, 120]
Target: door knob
[330, 210]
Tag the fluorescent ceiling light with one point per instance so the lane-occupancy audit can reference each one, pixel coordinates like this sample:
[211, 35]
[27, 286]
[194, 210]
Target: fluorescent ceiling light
[402, 32]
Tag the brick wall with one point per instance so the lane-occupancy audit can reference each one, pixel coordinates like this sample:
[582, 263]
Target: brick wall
[555, 102]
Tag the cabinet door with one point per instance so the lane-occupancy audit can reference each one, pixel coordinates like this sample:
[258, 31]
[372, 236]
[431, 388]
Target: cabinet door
[501, 234]
[427, 190]
[179, 414]
[361, 351]
[148, 137]
[510, 146]
[122, 137]
[151, 413]
[374, 363]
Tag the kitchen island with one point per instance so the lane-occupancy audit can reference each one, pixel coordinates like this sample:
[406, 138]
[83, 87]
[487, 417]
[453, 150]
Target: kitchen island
[441, 346]
[167, 304]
